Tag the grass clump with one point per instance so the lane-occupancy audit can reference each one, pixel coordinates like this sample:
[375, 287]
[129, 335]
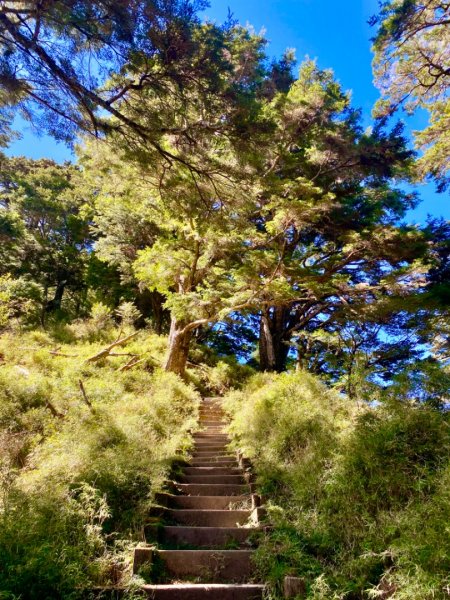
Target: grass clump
[358, 495]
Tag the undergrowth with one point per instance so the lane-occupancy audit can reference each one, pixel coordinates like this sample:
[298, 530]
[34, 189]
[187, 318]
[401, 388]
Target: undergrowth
[79, 467]
[358, 496]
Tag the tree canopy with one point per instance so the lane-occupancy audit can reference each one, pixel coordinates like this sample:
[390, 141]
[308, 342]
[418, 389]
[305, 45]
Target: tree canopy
[411, 68]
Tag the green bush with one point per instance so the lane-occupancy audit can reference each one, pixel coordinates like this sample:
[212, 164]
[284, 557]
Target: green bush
[78, 474]
[357, 495]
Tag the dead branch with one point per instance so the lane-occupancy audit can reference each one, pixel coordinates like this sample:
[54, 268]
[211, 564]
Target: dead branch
[85, 398]
[55, 353]
[195, 365]
[133, 362]
[55, 412]
[106, 351]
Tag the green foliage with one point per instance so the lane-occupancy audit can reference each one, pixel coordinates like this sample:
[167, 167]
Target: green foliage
[411, 69]
[76, 479]
[358, 496]
[20, 300]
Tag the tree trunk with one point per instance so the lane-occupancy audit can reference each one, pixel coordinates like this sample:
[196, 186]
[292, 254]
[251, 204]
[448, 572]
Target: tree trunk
[274, 335]
[266, 349]
[55, 302]
[177, 354]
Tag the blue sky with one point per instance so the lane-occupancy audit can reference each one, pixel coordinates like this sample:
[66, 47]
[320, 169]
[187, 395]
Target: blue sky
[335, 33]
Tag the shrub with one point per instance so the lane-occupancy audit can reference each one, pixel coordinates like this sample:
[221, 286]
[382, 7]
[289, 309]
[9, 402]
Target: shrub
[80, 476]
[358, 496]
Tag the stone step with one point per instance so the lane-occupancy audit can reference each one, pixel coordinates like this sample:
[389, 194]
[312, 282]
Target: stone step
[212, 462]
[204, 435]
[207, 455]
[198, 591]
[208, 518]
[204, 537]
[211, 413]
[212, 439]
[223, 489]
[207, 446]
[213, 566]
[219, 479]
[225, 451]
[214, 470]
[209, 502]
[214, 429]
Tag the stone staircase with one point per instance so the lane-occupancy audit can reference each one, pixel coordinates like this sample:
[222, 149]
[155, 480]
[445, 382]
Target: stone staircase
[210, 524]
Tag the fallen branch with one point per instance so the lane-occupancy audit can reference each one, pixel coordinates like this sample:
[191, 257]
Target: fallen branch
[55, 412]
[131, 363]
[106, 351]
[194, 365]
[56, 353]
[85, 398]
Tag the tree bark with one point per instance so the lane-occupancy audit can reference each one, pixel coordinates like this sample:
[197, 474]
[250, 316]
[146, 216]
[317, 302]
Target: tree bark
[266, 348]
[178, 351]
[55, 303]
[274, 335]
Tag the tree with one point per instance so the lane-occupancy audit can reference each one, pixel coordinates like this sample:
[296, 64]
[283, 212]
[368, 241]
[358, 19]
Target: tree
[328, 216]
[194, 244]
[411, 68]
[303, 230]
[45, 231]
[92, 65]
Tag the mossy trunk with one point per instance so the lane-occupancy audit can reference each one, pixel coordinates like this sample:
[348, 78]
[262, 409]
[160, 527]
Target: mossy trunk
[177, 355]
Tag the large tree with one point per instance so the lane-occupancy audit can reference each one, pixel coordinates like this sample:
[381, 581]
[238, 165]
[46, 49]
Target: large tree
[149, 72]
[327, 215]
[412, 68]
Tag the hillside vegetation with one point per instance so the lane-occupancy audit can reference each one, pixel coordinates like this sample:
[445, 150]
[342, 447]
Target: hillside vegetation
[359, 496]
[78, 475]
[228, 225]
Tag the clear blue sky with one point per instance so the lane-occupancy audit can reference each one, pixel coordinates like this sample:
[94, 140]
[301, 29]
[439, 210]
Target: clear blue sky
[336, 33]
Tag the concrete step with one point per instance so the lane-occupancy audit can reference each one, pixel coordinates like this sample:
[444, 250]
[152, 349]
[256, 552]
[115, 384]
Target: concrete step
[223, 489]
[209, 502]
[219, 479]
[213, 566]
[204, 537]
[208, 518]
[214, 470]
